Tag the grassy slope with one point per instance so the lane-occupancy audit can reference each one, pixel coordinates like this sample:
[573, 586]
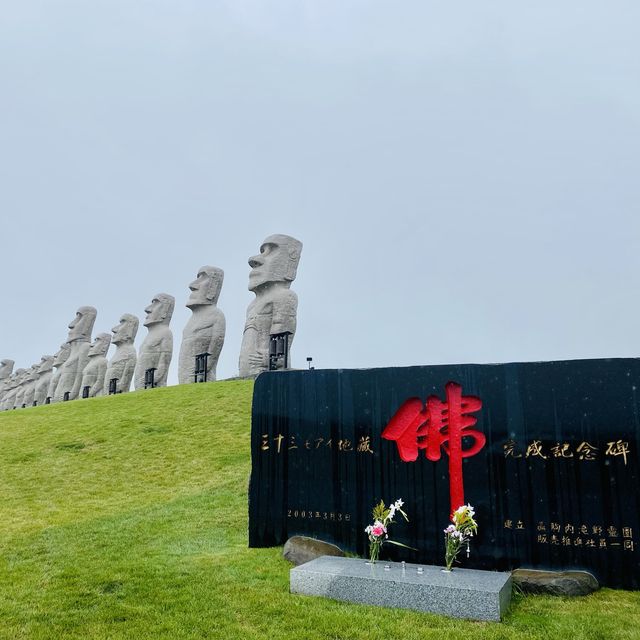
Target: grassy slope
[126, 517]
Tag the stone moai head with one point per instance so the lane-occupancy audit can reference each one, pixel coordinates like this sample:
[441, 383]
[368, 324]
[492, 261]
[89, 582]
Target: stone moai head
[81, 326]
[46, 363]
[61, 356]
[126, 330]
[32, 373]
[6, 367]
[277, 261]
[100, 345]
[205, 289]
[160, 310]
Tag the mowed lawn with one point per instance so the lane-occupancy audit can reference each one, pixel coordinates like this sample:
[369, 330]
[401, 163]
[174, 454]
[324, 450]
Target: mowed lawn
[126, 517]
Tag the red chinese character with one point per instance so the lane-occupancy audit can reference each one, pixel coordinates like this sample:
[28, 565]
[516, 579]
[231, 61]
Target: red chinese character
[438, 425]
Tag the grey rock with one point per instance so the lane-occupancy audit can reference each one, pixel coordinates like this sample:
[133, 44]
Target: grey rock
[45, 374]
[157, 349]
[58, 362]
[461, 593]
[204, 332]
[301, 549]
[123, 363]
[275, 306]
[94, 372]
[557, 583]
[79, 339]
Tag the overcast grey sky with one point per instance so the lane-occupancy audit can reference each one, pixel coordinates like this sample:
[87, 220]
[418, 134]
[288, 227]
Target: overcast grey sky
[464, 175]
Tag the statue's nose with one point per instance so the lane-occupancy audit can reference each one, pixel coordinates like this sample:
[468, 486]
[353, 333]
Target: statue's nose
[255, 261]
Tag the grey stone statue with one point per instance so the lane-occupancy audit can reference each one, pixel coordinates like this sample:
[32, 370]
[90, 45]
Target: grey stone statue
[92, 384]
[15, 390]
[26, 377]
[123, 363]
[79, 339]
[157, 349]
[203, 336]
[45, 374]
[31, 379]
[274, 309]
[6, 369]
[58, 362]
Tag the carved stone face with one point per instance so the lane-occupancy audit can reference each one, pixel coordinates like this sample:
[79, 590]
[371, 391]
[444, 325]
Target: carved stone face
[125, 330]
[46, 364]
[100, 345]
[63, 353]
[32, 373]
[6, 367]
[160, 310]
[81, 326]
[205, 289]
[277, 261]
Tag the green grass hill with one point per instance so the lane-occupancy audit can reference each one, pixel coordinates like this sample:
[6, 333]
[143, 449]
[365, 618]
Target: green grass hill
[126, 517]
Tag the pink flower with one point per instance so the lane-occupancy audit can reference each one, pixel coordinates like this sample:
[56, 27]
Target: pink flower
[377, 530]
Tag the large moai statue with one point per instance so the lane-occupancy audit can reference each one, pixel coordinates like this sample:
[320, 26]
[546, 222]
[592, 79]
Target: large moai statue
[6, 369]
[271, 317]
[203, 336]
[45, 374]
[121, 367]
[31, 379]
[79, 339]
[21, 389]
[16, 391]
[92, 384]
[157, 349]
[58, 362]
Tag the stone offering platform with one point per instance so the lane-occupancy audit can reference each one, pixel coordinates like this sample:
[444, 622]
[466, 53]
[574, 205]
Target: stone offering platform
[463, 593]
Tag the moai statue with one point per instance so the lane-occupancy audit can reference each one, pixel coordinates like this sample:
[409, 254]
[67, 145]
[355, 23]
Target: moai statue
[123, 364]
[21, 390]
[31, 379]
[79, 339]
[45, 374]
[92, 384]
[4, 389]
[16, 391]
[203, 336]
[271, 317]
[58, 362]
[10, 386]
[157, 349]
[6, 369]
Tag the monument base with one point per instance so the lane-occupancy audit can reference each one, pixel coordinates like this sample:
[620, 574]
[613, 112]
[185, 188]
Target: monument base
[461, 593]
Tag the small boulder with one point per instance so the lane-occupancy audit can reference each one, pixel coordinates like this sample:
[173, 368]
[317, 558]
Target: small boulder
[300, 549]
[556, 583]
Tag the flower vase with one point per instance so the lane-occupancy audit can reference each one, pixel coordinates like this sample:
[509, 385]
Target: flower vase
[374, 552]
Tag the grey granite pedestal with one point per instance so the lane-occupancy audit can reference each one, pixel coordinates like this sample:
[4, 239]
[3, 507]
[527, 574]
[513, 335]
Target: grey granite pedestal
[462, 593]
